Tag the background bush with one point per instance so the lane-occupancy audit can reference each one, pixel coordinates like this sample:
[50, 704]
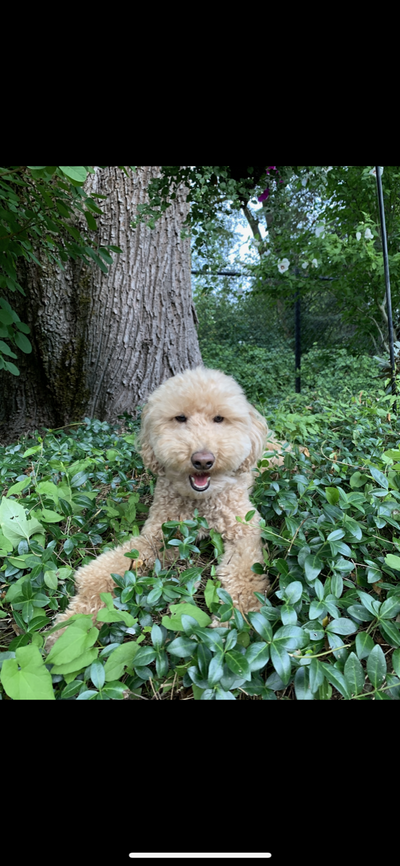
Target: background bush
[267, 376]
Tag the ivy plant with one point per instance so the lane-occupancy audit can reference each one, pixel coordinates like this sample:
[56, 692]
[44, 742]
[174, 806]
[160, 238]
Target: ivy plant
[328, 627]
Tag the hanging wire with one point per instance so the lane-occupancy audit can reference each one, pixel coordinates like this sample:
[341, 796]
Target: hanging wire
[387, 279]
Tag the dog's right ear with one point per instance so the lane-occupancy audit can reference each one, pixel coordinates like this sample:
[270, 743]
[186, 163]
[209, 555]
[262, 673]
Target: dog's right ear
[258, 434]
[143, 445]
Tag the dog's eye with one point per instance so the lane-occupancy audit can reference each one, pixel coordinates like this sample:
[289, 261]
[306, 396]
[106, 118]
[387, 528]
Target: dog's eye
[218, 419]
[180, 418]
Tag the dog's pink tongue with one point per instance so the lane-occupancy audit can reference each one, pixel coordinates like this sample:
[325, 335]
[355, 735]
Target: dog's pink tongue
[200, 480]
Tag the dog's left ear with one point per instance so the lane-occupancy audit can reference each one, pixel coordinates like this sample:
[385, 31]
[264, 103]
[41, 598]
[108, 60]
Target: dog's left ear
[143, 444]
[258, 434]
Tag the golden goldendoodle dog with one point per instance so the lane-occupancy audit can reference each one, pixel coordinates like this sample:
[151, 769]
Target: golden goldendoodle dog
[202, 438]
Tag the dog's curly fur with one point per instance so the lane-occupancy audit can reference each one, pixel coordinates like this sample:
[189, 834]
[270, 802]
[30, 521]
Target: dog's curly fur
[202, 438]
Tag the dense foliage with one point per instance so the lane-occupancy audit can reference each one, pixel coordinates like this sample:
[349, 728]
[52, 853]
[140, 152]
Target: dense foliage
[315, 238]
[334, 233]
[314, 254]
[245, 337]
[328, 629]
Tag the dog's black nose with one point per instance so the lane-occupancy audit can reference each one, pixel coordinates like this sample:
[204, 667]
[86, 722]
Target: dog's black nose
[203, 460]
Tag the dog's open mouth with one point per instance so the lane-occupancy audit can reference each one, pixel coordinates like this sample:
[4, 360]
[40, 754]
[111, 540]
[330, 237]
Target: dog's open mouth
[200, 482]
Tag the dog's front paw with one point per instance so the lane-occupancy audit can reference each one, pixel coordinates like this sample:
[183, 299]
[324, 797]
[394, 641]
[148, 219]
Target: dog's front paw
[216, 623]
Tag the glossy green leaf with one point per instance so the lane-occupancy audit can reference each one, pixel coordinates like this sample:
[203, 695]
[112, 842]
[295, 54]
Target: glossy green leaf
[302, 686]
[317, 609]
[360, 613]
[379, 477]
[97, 674]
[156, 637]
[368, 602]
[257, 655]
[364, 644]
[393, 561]
[289, 636]
[390, 632]
[231, 639]
[293, 591]
[50, 579]
[337, 585]
[352, 527]
[343, 625]
[337, 679]
[260, 624]
[288, 615]
[183, 647]
[316, 675]
[373, 574]
[335, 535]
[114, 690]
[338, 645]
[221, 695]
[281, 662]
[376, 666]
[237, 663]
[313, 566]
[396, 662]
[325, 691]
[390, 607]
[146, 654]
[71, 689]
[344, 566]
[215, 670]
[354, 674]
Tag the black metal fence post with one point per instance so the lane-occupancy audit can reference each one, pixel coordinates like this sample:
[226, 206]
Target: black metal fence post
[297, 334]
[387, 278]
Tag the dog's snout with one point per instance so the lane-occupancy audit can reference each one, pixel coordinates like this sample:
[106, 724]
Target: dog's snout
[203, 460]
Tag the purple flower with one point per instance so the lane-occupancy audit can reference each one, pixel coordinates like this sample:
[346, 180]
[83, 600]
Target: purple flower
[264, 195]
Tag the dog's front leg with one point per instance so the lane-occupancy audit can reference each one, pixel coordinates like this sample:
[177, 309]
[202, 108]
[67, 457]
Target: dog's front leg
[95, 578]
[235, 571]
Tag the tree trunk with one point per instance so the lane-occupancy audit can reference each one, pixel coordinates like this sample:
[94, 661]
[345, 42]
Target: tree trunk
[103, 342]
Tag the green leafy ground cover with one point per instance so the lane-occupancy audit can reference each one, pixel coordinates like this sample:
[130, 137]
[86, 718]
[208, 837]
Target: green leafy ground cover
[329, 628]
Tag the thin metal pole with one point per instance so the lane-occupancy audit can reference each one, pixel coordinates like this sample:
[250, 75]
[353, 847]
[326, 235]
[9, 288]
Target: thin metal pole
[387, 278]
[297, 343]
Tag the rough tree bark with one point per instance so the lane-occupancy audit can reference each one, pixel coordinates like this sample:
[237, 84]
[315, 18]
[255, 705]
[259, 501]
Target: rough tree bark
[103, 342]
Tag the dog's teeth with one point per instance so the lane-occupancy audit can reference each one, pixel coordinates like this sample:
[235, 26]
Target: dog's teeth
[200, 480]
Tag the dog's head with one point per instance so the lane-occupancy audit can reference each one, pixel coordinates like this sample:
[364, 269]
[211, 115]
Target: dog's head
[199, 430]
